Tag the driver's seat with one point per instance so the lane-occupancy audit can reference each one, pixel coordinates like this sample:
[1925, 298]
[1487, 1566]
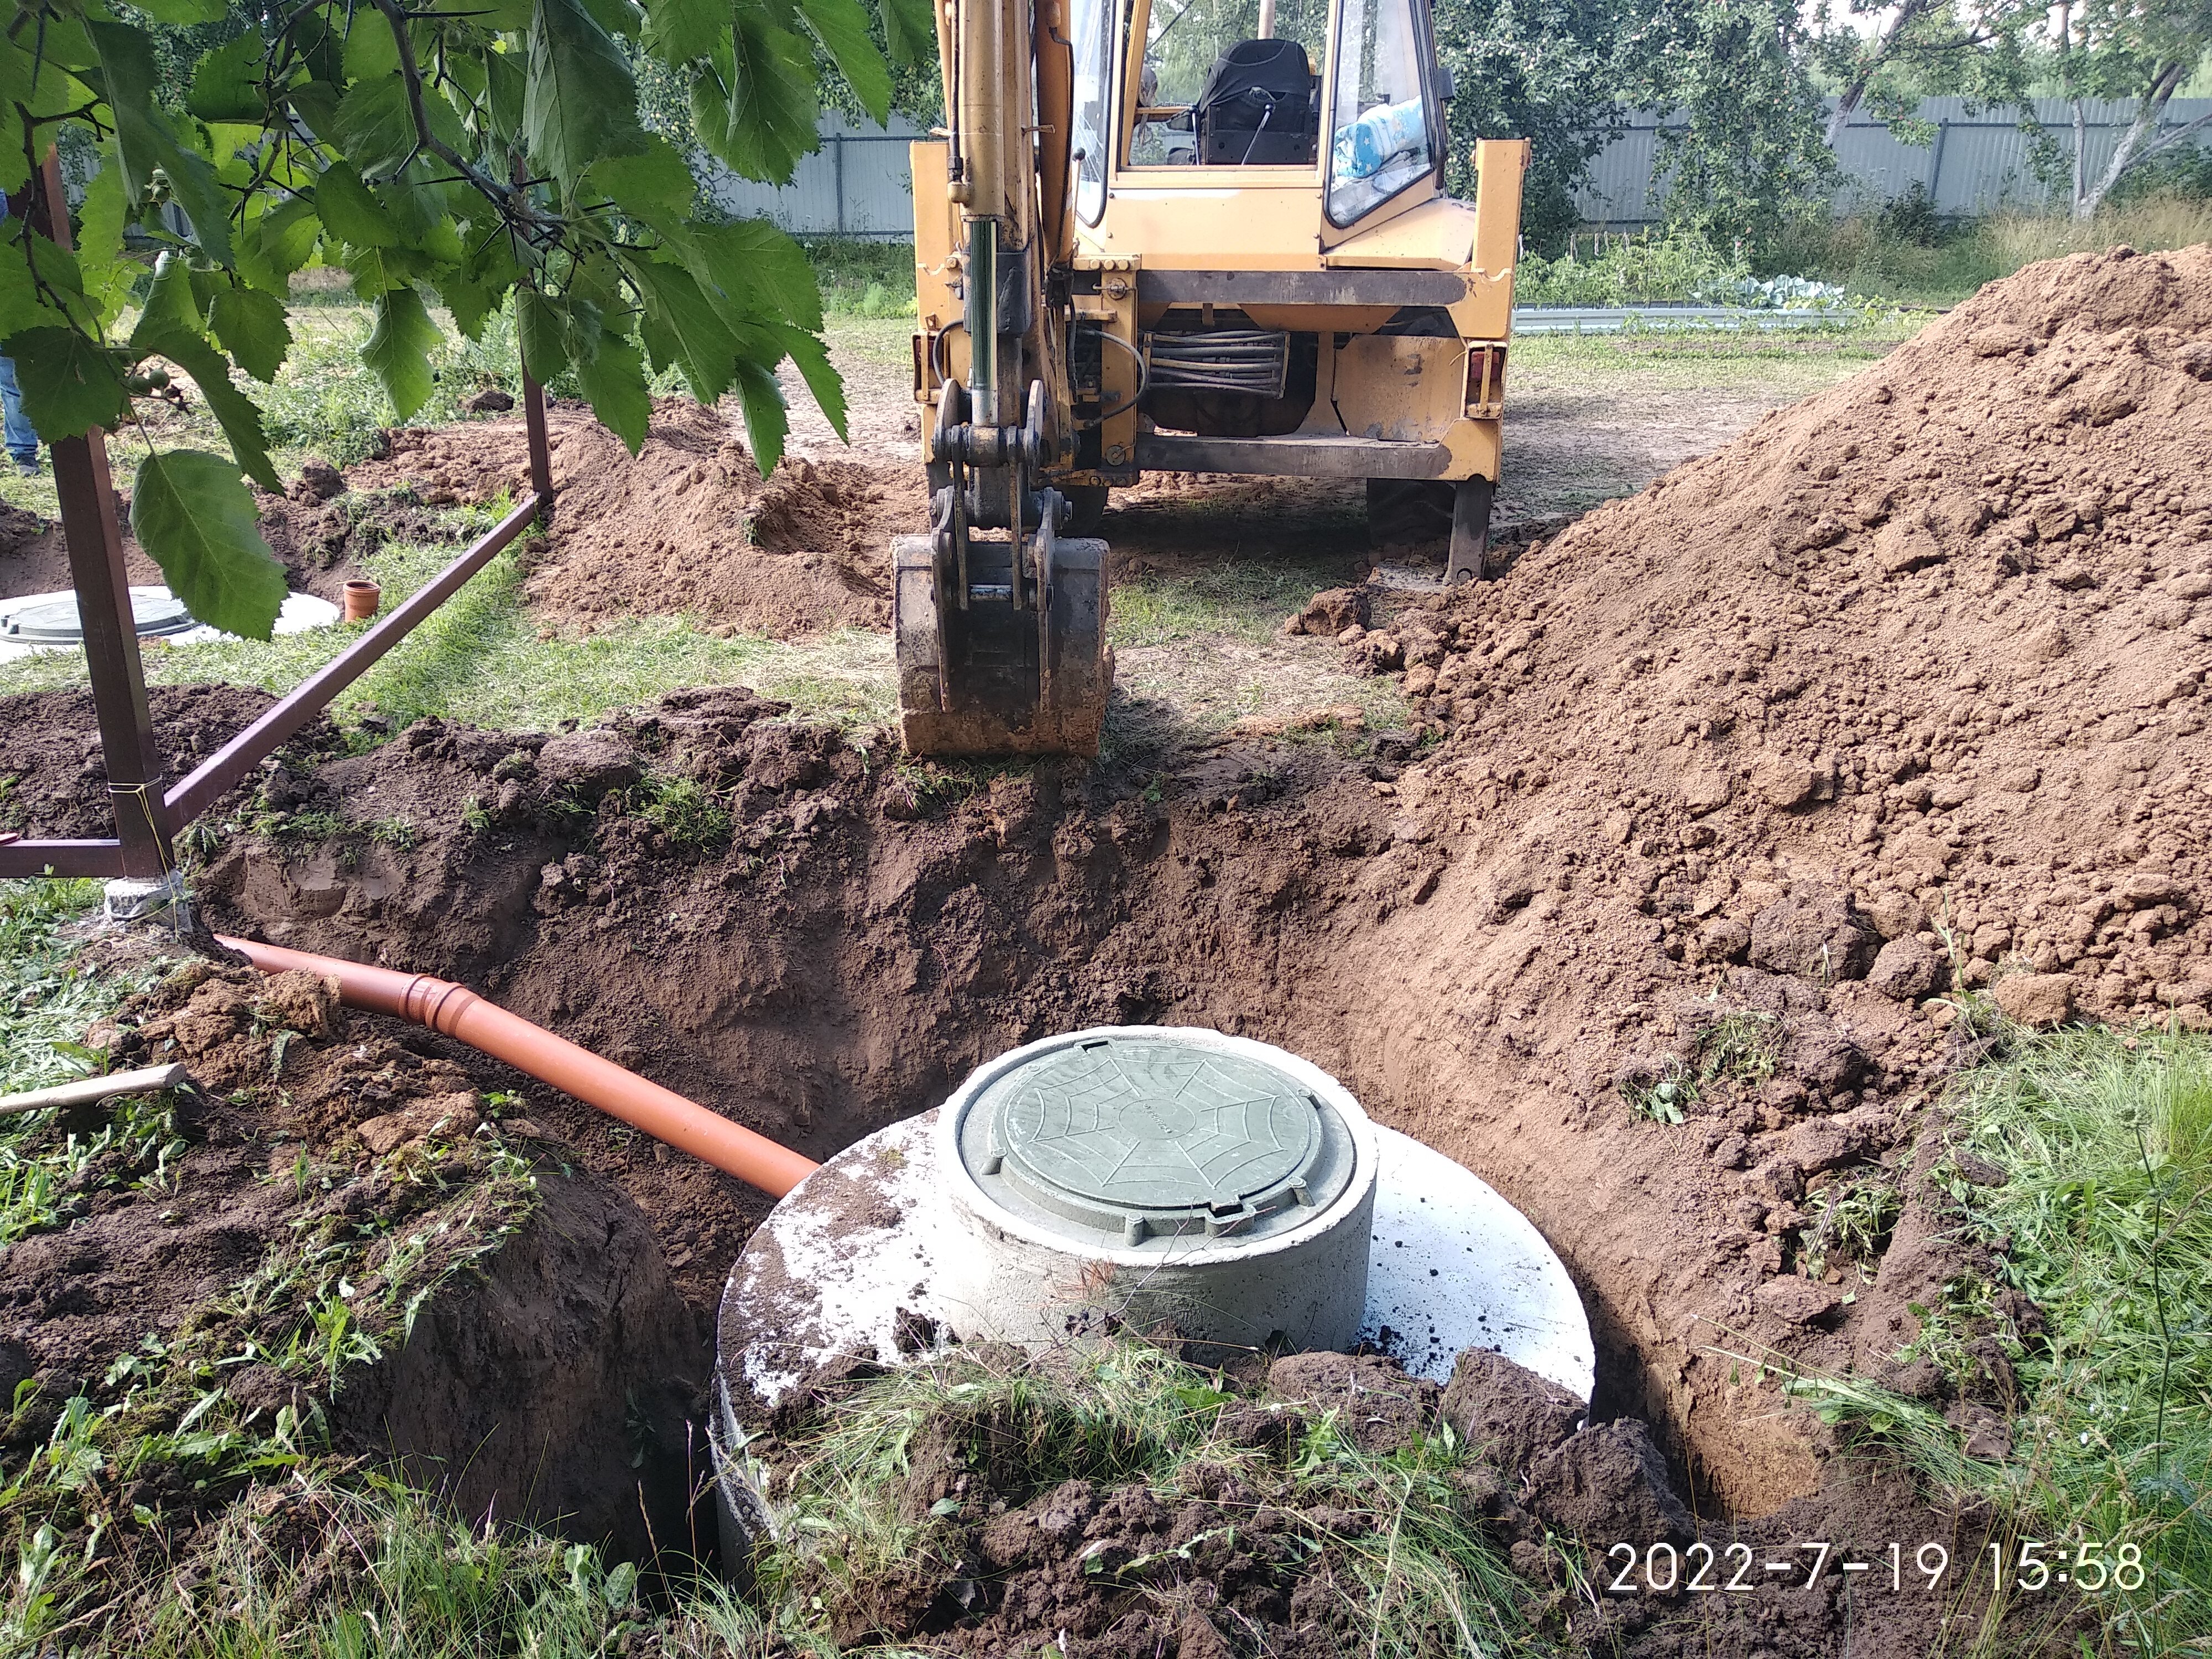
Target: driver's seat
[1258, 107]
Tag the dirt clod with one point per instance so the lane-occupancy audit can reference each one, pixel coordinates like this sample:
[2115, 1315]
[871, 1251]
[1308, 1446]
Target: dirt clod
[1610, 1482]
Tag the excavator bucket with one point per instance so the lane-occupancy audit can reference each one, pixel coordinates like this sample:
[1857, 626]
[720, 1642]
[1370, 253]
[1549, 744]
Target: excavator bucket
[987, 677]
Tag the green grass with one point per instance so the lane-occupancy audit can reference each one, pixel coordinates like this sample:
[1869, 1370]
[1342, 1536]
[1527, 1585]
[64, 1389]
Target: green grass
[1941, 266]
[2105, 1225]
[47, 997]
[1739, 1047]
[863, 277]
[480, 658]
[1429, 1580]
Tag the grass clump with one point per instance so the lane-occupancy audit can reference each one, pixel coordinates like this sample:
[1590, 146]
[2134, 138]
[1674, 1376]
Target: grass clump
[1739, 1045]
[1913, 259]
[689, 814]
[863, 276]
[1639, 269]
[1394, 1535]
[2104, 1221]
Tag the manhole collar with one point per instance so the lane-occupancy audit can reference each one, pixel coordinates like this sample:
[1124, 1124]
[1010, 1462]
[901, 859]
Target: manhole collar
[1146, 1136]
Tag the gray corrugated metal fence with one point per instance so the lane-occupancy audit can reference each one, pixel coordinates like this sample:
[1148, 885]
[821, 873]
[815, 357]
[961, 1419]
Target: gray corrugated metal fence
[1976, 164]
[858, 183]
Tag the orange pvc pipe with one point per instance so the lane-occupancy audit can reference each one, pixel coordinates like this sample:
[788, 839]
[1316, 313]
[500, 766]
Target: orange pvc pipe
[460, 1013]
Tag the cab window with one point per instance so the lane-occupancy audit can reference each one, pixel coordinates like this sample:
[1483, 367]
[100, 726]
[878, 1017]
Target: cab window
[1383, 138]
[1092, 34]
[1213, 91]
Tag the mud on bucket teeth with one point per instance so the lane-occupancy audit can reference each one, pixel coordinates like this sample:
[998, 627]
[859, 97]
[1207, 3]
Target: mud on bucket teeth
[987, 678]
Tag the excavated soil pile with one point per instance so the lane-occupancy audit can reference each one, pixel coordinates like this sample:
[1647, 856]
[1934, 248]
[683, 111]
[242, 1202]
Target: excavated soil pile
[547, 1346]
[686, 526]
[54, 780]
[1939, 635]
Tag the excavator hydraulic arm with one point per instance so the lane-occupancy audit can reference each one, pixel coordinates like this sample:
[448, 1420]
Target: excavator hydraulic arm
[1000, 619]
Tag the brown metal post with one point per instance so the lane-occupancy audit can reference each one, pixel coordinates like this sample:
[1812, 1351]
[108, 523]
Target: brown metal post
[103, 600]
[541, 452]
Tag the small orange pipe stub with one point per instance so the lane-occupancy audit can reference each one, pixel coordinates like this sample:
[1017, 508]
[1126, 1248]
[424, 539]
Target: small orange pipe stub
[459, 1012]
[361, 600]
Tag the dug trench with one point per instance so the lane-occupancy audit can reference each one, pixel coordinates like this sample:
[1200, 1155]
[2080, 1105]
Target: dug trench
[1735, 804]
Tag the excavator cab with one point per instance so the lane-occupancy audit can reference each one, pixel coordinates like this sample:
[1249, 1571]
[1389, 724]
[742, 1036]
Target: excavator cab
[1190, 236]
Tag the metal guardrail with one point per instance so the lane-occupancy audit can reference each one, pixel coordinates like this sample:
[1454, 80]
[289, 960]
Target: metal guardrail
[1621, 319]
[147, 817]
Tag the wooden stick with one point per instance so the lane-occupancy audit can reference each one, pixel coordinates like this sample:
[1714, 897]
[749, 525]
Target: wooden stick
[86, 1091]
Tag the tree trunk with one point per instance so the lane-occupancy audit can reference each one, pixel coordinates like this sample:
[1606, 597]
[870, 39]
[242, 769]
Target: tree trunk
[1854, 93]
[2080, 156]
[2135, 143]
[1840, 117]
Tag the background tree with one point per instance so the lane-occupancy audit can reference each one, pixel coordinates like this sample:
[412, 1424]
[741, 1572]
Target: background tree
[476, 152]
[2140, 50]
[1744, 150]
[1546, 72]
[1887, 55]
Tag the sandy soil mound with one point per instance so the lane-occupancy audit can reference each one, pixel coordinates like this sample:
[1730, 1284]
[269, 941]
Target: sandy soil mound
[687, 526]
[1939, 636]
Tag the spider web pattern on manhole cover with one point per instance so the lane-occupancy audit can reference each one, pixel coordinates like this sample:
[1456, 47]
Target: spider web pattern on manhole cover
[1159, 1125]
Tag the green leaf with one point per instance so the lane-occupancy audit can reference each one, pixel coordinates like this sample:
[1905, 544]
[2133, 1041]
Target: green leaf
[619, 18]
[52, 298]
[226, 85]
[655, 187]
[399, 348]
[474, 289]
[766, 421]
[842, 28]
[613, 379]
[375, 125]
[580, 104]
[909, 30]
[170, 326]
[197, 521]
[382, 269]
[812, 358]
[371, 51]
[682, 31]
[502, 17]
[760, 273]
[108, 277]
[756, 109]
[145, 138]
[278, 240]
[252, 327]
[350, 211]
[683, 328]
[542, 332]
[69, 385]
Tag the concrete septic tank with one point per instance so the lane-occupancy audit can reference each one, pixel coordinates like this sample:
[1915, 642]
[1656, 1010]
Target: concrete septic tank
[1151, 1178]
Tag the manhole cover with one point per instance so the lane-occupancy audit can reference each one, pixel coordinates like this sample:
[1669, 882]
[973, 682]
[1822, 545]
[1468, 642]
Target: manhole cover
[52, 619]
[1144, 1136]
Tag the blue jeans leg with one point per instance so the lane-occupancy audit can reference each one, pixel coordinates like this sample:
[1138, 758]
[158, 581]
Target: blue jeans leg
[22, 436]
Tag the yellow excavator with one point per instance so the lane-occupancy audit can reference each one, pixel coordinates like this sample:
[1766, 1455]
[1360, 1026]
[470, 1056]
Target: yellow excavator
[1187, 236]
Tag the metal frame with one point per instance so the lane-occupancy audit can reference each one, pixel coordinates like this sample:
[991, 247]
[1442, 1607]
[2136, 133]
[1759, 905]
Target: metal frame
[146, 819]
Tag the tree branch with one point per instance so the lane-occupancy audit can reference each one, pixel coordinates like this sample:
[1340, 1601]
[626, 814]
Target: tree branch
[541, 228]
